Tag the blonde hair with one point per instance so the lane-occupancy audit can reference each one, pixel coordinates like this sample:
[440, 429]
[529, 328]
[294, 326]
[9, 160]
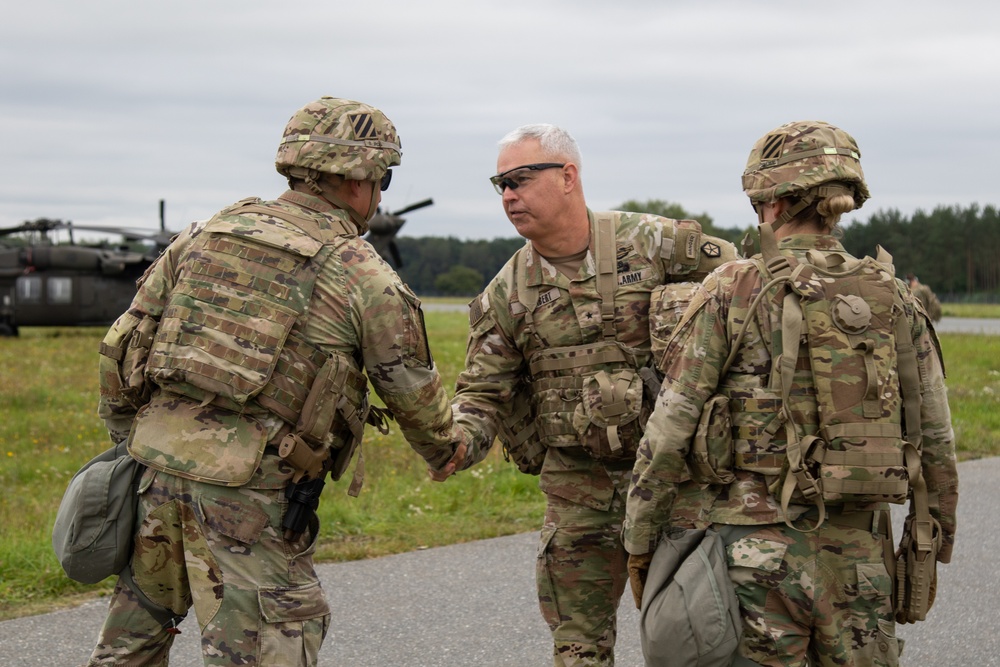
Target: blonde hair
[830, 209]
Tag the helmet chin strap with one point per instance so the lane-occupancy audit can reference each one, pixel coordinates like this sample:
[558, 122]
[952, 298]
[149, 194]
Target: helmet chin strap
[325, 193]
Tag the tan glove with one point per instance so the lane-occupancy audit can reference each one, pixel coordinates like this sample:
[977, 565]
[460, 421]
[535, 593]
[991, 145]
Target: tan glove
[638, 569]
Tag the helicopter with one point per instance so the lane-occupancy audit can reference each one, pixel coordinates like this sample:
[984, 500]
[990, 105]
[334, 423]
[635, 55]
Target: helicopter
[45, 281]
[383, 228]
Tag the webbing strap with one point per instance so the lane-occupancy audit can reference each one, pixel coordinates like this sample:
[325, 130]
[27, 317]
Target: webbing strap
[304, 223]
[608, 354]
[607, 272]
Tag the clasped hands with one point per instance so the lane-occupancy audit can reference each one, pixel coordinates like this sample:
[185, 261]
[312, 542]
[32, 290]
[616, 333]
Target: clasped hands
[451, 467]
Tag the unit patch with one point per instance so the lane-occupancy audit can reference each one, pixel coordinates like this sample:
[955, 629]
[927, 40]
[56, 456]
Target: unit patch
[364, 128]
[709, 249]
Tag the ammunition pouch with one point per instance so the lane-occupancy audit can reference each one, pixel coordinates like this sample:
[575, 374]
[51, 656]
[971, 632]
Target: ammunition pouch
[331, 425]
[519, 437]
[591, 396]
[711, 458]
[127, 348]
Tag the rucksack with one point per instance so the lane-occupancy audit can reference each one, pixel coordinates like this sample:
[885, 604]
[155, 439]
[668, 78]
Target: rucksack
[865, 380]
[94, 527]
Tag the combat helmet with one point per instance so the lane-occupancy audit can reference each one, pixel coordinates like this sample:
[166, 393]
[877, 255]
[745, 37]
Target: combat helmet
[338, 136]
[799, 157]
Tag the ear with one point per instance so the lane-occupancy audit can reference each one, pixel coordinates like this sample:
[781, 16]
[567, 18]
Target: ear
[571, 177]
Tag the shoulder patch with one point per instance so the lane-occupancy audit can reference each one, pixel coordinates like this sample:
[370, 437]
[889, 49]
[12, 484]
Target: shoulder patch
[478, 308]
[709, 249]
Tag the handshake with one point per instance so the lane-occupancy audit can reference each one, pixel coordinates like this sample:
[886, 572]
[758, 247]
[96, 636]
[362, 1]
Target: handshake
[455, 463]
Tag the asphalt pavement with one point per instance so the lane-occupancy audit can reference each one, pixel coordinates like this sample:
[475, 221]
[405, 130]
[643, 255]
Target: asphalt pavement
[474, 604]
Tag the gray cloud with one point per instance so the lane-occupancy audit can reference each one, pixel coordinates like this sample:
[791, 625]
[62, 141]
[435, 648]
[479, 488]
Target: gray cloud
[110, 106]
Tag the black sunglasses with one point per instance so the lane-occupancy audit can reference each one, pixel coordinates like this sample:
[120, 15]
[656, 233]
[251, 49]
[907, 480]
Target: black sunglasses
[501, 182]
[386, 180]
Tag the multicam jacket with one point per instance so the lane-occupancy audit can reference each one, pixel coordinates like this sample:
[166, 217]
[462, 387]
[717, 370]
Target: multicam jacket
[661, 490]
[358, 308]
[569, 314]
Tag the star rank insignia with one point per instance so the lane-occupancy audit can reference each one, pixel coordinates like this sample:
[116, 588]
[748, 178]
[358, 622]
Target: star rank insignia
[710, 249]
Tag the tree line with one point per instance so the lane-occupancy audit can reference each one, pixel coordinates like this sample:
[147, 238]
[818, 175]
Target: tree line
[954, 250]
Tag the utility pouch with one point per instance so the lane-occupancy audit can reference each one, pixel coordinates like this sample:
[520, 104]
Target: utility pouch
[611, 400]
[207, 444]
[916, 569]
[711, 457]
[134, 386]
[519, 436]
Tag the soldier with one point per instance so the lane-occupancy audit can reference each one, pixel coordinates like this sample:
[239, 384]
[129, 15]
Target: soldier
[798, 484]
[566, 323]
[237, 376]
[926, 297]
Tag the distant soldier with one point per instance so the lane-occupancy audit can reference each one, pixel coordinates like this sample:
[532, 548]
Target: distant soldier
[926, 296]
[558, 350]
[823, 393]
[238, 377]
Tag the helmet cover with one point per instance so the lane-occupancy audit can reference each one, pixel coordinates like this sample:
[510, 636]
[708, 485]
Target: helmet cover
[338, 136]
[800, 156]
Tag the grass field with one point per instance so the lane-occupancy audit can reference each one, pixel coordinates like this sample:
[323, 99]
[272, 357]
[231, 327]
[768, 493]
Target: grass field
[48, 428]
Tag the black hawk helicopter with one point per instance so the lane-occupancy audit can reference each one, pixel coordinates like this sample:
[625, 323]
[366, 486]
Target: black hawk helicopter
[46, 280]
[383, 228]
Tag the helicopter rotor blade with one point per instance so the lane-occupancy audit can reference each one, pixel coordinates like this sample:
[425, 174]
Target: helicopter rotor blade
[413, 207]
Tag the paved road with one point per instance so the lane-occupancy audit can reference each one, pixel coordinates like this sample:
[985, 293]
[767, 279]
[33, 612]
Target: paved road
[474, 604]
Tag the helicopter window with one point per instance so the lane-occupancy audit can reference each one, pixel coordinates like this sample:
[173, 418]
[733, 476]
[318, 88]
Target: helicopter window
[60, 290]
[29, 289]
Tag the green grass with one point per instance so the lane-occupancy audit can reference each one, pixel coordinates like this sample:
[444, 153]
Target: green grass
[49, 427]
[980, 310]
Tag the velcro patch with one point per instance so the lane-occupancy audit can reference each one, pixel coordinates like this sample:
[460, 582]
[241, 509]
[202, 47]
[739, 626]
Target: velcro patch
[633, 277]
[709, 249]
[478, 308]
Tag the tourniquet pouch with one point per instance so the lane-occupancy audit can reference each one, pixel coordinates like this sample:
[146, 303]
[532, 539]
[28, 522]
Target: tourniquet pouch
[207, 444]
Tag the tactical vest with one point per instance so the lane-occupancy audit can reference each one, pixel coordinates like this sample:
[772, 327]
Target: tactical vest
[226, 355]
[828, 427]
[596, 395]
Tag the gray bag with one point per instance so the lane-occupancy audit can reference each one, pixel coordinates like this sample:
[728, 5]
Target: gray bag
[94, 527]
[690, 616]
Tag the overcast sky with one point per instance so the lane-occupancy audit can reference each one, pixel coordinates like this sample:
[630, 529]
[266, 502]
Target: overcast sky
[106, 107]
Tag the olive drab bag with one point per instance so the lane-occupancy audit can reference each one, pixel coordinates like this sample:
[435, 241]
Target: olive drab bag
[690, 615]
[95, 523]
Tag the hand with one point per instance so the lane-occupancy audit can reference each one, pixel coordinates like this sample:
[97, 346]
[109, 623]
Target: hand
[449, 469]
[638, 569]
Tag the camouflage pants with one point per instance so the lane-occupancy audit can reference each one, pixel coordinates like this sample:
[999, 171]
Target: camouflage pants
[581, 576]
[220, 550]
[821, 598]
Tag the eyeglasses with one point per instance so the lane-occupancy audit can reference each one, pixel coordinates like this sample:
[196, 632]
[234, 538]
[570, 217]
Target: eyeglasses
[501, 181]
[386, 180]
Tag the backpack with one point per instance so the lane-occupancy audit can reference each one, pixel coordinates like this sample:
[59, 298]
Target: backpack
[94, 527]
[690, 615]
[849, 314]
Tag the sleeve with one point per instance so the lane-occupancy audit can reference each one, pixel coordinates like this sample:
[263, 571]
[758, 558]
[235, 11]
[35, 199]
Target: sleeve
[938, 458]
[693, 360]
[117, 406]
[494, 368]
[397, 356]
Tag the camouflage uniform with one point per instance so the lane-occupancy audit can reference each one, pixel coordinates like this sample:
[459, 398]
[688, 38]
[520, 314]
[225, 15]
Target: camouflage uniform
[927, 299]
[581, 564]
[826, 593]
[217, 543]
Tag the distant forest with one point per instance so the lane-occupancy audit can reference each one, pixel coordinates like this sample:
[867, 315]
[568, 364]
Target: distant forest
[956, 251]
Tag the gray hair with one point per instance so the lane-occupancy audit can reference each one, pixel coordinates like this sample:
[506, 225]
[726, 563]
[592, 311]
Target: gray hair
[555, 141]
